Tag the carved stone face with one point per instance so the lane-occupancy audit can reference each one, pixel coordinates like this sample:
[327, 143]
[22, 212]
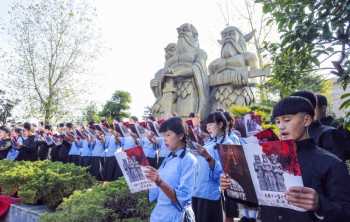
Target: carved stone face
[229, 34]
[170, 50]
[257, 159]
[187, 37]
[232, 41]
[274, 158]
[264, 157]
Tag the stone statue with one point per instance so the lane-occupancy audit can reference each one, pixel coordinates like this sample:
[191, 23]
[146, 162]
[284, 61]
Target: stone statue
[161, 90]
[229, 74]
[181, 87]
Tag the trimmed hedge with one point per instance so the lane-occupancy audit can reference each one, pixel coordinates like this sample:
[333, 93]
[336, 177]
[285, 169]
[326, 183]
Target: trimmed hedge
[43, 182]
[103, 203]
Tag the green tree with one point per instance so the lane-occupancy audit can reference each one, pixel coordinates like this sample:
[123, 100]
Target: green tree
[52, 42]
[291, 73]
[6, 107]
[118, 106]
[315, 36]
[90, 113]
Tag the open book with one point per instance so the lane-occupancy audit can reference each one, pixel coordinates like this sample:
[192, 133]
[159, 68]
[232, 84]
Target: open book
[261, 172]
[132, 163]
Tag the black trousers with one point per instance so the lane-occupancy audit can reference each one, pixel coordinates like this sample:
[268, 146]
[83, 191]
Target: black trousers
[85, 161]
[207, 210]
[111, 169]
[96, 169]
[230, 207]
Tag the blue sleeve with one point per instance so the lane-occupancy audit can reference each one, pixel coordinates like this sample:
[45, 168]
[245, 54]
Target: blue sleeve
[153, 194]
[187, 179]
[215, 173]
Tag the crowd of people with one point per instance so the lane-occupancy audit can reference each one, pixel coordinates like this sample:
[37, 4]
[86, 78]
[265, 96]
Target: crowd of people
[192, 187]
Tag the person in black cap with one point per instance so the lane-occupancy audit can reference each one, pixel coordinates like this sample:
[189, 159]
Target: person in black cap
[28, 150]
[321, 112]
[326, 194]
[326, 137]
[5, 142]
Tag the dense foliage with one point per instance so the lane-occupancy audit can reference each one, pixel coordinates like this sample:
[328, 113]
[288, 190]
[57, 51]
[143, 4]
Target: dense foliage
[102, 203]
[43, 182]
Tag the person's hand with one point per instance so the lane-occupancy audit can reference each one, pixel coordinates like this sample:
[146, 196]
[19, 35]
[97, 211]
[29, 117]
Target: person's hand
[224, 182]
[152, 174]
[303, 197]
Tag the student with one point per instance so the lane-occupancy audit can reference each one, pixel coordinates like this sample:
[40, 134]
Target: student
[206, 199]
[5, 142]
[163, 149]
[75, 150]
[321, 112]
[232, 132]
[327, 137]
[16, 139]
[65, 130]
[98, 149]
[175, 177]
[28, 150]
[85, 151]
[45, 143]
[326, 194]
[149, 145]
[112, 170]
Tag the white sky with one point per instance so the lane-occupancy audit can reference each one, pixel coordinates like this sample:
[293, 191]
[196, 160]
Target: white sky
[136, 33]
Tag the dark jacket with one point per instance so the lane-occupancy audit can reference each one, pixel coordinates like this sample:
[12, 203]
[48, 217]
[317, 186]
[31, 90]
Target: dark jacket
[29, 150]
[5, 146]
[334, 140]
[63, 151]
[329, 121]
[328, 175]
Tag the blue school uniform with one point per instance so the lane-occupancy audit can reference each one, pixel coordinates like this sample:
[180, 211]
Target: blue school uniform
[127, 142]
[234, 137]
[75, 148]
[149, 148]
[86, 149]
[14, 151]
[178, 171]
[112, 147]
[98, 149]
[207, 184]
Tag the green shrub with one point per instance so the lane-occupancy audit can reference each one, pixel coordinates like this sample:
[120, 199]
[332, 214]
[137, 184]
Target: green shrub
[43, 181]
[102, 203]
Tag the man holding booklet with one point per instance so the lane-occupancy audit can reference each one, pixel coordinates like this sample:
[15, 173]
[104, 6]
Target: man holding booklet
[325, 195]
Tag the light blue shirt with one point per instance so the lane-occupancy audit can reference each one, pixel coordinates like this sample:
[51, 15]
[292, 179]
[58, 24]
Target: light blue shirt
[163, 149]
[207, 185]
[75, 148]
[98, 149]
[86, 150]
[112, 147]
[233, 136]
[127, 142]
[148, 147]
[179, 173]
[13, 152]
